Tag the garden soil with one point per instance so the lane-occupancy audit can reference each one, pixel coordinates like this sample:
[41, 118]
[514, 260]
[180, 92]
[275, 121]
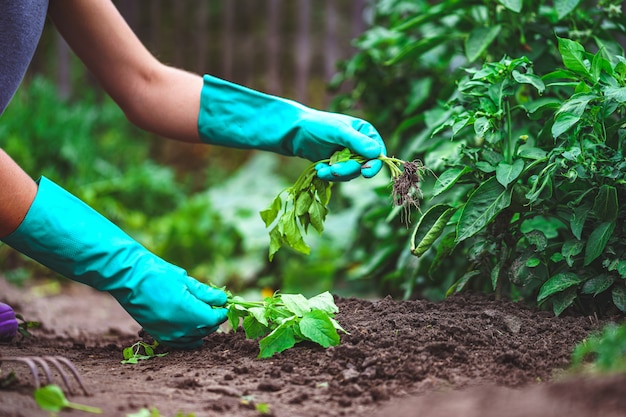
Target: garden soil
[468, 356]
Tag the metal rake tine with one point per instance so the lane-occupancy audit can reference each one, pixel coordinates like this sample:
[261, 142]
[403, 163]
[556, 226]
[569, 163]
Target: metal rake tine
[57, 361]
[31, 365]
[44, 365]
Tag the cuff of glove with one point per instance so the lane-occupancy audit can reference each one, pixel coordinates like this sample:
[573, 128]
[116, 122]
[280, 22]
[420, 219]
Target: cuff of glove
[238, 117]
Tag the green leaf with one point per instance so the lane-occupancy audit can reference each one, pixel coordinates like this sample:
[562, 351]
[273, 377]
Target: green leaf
[537, 238]
[513, 5]
[571, 112]
[338, 326]
[276, 242]
[483, 205]
[430, 226]
[317, 213]
[598, 284]
[572, 53]
[271, 212]
[448, 178]
[317, 327]
[324, 302]
[259, 313]
[280, 339]
[619, 297]
[531, 79]
[482, 126]
[523, 271]
[292, 234]
[558, 283]
[564, 7]
[323, 189]
[296, 303]
[563, 122]
[571, 249]
[541, 105]
[234, 314]
[461, 283]
[597, 241]
[578, 219]
[563, 300]
[599, 64]
[507, 173]
[485, 167]
[478, 41]
[148, 349]
[304, 201]
[51, 398]
[605, 205]
[253, 328]
[615, 93]
[128, 352]
[341, 156]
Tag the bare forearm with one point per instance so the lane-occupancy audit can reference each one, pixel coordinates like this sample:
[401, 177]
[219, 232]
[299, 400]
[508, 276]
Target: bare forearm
[155, 97]
[17, 195]
[167, 104]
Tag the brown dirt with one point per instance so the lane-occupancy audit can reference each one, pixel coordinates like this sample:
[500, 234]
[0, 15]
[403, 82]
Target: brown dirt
[468, 356]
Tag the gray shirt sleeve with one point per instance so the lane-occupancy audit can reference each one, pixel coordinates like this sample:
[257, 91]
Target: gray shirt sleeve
[21, 24]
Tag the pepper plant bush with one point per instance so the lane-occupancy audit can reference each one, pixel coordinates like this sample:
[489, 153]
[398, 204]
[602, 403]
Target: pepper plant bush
[541, 207]
[517, 107]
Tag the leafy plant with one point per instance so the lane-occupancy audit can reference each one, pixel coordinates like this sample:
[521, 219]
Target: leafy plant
[282, 320]
[542, 201]
[52, 398]
[133, 355]
[306, 201]
[606, 350]
[526, 147]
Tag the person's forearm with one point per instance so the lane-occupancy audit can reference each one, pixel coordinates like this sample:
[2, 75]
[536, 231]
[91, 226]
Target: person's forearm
[155, 97]
[17, 192]
[167, 104]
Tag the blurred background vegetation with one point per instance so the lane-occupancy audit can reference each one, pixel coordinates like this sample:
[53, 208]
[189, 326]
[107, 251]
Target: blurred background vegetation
[196, 206]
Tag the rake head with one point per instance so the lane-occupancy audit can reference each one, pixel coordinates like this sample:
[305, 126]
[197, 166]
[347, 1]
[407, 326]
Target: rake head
[61, 364]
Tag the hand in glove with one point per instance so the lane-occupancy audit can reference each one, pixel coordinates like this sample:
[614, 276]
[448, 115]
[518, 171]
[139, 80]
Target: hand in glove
[235, 116]
[64, 234]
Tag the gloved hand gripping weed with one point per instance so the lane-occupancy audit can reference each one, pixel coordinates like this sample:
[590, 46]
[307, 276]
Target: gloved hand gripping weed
[305, 203]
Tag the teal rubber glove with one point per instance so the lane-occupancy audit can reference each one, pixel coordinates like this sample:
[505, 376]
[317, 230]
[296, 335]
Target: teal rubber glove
[238, 117]
[69, 237]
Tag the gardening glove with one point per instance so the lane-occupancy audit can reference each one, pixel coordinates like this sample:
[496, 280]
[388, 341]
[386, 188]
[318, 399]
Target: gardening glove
[237, 117]
[64, 234]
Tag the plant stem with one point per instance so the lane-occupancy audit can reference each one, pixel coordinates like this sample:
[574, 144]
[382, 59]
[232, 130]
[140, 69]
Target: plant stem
[509, 140]
[82, 407]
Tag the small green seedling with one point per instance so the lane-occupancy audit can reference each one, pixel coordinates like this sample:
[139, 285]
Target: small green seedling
[261, 408]
[305, 203]
[605, 350]
[25, 325]
[282, 320]
[51, 398]
[132, 354]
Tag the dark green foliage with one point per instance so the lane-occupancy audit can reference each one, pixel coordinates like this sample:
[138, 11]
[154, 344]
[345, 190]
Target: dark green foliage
[518, 108]
[605, 350]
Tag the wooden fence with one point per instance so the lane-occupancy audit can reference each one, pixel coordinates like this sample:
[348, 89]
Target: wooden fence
[284, 47]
